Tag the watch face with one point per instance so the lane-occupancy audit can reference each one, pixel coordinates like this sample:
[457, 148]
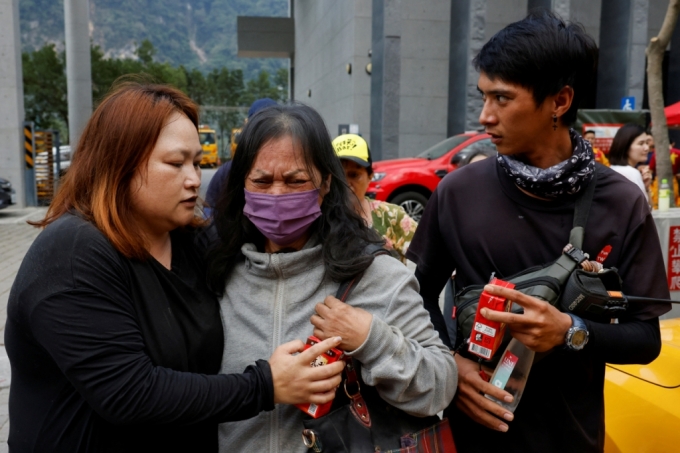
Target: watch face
[578, 338]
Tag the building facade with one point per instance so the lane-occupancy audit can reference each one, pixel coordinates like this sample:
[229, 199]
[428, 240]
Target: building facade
[401, 71]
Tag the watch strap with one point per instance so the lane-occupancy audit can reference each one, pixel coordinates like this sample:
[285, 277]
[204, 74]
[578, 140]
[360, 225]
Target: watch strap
[577, 324]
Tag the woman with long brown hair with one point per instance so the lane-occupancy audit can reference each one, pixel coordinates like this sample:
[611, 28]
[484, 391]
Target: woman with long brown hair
[114, 339]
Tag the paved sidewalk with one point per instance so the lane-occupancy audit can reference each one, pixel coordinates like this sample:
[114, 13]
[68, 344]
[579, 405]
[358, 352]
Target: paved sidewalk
[16, 236]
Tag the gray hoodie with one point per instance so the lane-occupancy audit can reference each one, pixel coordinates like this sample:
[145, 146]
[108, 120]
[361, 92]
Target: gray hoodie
[268, 301]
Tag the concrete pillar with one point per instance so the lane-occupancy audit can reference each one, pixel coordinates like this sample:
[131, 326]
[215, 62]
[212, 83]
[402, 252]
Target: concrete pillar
[536, 4]
[12, 159]
[467, 36]
[623, 39]
[637, 50]
[78, 67]
[562, 8]
[385, 79]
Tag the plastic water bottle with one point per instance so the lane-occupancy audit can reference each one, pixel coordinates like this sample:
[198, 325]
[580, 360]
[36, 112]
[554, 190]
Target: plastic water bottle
[512, 372]
[664, 195]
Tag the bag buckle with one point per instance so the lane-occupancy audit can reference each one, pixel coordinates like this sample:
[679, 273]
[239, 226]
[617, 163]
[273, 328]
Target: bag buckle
[575, 254]
[311, 441]
[358, 392]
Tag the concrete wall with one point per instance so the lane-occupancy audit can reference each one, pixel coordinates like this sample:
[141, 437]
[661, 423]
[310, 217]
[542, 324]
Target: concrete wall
[424, 74]
[331, 34]
[11, 99]
[500, 13]
[656, 14]
[328, 36]
[587, 13]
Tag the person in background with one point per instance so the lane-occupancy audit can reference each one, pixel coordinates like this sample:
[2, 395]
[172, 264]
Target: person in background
[628, 155]
[389, 220]
[674, 155]
[600, 156]
[675, 168]
[288, 236]
[219, 179]
[114, 338]
[478, 152]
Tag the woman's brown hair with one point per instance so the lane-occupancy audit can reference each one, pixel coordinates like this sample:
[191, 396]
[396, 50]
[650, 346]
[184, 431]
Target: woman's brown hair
[117, 140]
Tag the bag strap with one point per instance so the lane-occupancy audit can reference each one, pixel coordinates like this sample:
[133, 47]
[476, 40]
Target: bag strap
[357, 403]
[581, 211]
[574, 256]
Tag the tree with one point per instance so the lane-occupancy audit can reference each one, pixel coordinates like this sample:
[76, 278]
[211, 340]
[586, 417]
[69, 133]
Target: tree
[655, 52]
[45, 85]
[44, 76]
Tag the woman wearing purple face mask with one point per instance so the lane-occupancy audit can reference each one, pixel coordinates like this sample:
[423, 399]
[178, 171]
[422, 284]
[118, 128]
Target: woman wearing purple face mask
[288, 235]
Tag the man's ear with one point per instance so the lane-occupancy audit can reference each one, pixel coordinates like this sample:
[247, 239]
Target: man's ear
[563, 100]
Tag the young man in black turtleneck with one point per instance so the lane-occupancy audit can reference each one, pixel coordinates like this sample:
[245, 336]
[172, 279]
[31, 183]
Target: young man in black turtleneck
[507, 214]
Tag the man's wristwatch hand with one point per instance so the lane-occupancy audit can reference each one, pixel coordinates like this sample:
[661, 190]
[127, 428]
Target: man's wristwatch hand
[577, 336]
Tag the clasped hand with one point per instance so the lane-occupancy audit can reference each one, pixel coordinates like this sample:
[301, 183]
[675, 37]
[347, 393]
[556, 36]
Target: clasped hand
[336, 318]
[540, 328]
[296, 381]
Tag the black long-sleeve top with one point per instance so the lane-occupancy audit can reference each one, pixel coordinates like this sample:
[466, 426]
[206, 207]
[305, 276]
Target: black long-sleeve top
[478, 222]
[112, 354]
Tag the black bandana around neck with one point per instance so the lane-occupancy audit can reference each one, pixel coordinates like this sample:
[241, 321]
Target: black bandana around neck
[556, 182]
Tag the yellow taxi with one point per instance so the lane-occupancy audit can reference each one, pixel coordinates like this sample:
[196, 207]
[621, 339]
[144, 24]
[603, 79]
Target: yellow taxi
[208, 139]
[642, 402]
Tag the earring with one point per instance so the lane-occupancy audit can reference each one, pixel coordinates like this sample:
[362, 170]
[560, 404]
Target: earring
[554, 122]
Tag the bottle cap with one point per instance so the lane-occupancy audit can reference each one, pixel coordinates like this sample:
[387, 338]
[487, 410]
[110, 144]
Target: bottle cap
[664, 181]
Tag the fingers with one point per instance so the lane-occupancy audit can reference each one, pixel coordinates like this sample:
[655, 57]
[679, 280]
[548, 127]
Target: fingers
[322, 310]
[322, 398]
[317, 321]
[470, 398]
[514, 295]
[291, 347]
[328, 384]
[329, 371]
[502, 316]
[310, 354]
[481, 408]
[331, 302]
[318, 333]
[480, 416]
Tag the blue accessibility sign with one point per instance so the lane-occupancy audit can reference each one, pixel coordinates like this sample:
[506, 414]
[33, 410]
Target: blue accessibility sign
[628, 103]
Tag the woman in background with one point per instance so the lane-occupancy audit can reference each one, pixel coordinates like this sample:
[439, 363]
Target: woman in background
[390, 221]
[629, 152]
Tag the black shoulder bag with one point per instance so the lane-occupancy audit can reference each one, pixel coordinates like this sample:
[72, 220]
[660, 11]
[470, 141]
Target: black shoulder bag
[361, 421]
[547, 282]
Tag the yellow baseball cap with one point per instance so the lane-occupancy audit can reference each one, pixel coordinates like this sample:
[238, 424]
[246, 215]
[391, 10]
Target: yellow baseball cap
[354, 148]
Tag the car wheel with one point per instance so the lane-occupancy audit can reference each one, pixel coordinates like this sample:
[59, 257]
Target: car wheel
[413, 203]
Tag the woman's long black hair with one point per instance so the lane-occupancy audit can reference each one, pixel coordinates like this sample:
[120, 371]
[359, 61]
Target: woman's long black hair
[341, 231]
[624, 138]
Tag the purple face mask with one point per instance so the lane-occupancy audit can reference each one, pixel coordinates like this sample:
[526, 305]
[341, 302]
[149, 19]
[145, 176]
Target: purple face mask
[282, 218]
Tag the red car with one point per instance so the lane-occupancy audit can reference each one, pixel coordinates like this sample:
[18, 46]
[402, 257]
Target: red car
[410, 182]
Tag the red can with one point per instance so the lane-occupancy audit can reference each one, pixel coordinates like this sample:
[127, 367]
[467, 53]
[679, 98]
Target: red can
[486, 336]
[330, 356]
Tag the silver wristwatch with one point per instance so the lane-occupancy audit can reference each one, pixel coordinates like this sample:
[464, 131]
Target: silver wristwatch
[577, 335]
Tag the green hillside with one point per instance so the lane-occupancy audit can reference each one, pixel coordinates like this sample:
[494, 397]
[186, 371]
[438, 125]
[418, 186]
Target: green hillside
[198, 34]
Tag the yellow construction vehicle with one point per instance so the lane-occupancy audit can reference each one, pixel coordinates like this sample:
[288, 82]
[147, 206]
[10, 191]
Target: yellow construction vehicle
[208, 139]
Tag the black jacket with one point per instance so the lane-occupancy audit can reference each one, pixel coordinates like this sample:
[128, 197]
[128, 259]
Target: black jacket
[112, 354]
